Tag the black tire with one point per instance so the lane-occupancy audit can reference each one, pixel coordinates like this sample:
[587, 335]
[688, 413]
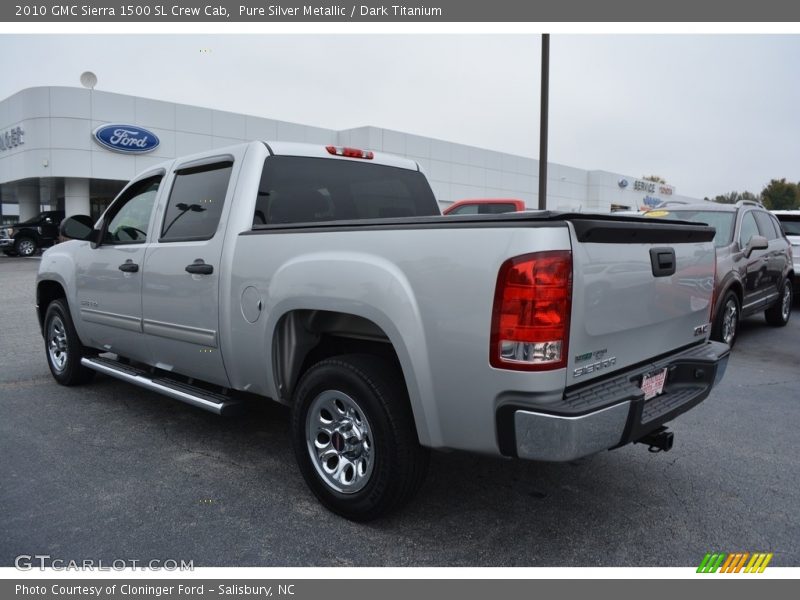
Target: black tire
[387, 439]
[59, 332]
[778, 314]
[726, 323]
[25, 246]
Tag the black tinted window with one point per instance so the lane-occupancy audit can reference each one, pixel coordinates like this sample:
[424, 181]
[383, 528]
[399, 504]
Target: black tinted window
[765, 225]
[496, 208]
[790, 224]
[302, 190]
[195, 202]
[465, 209]
[129, 218]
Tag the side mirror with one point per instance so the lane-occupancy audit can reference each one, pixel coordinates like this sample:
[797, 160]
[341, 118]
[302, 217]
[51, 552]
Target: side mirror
[79, 227]
[757, 242]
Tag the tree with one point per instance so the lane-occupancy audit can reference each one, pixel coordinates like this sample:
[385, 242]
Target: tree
[734, 197]
[780, 194]
[656, 178]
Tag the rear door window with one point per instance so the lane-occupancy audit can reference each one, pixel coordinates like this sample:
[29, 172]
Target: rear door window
[766, 226]
[195, 202]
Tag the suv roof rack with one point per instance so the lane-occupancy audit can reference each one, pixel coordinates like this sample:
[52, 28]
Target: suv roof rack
[749, 203]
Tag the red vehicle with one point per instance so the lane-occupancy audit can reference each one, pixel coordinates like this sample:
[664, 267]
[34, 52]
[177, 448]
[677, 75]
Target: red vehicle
[485, 206]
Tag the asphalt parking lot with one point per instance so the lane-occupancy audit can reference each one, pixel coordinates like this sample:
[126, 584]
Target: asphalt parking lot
[109, 471]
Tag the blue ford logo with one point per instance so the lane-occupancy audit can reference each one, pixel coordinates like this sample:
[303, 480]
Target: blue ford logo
[129, 139]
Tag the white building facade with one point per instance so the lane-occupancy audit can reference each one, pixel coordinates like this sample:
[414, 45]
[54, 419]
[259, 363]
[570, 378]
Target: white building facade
[50, 159]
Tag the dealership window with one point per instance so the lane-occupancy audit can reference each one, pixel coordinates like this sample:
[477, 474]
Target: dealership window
[129, 218]
[195, 202]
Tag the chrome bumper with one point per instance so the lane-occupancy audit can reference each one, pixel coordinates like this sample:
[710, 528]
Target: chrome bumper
[614, 410]
[559, 438]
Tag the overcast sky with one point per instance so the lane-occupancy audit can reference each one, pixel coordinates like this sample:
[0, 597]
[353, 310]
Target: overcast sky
[710, 113]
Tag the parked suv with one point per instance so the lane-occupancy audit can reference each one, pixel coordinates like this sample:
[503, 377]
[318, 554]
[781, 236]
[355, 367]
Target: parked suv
[754, 263]
[24, 239]
[790, 223]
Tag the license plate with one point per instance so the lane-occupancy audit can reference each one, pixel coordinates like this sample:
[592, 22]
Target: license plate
[653, 383]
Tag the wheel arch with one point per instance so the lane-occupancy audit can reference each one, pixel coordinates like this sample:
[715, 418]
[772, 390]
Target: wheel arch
[303, 337]
[731, 284]
[47, 290]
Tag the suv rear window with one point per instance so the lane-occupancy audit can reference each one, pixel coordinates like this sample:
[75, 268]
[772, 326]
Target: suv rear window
[298, 189]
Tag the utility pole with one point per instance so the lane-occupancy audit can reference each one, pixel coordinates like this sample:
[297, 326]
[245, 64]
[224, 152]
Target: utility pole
[543, 121]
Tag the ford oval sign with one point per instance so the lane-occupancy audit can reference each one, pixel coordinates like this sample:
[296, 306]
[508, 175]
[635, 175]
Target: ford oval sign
[128, 139]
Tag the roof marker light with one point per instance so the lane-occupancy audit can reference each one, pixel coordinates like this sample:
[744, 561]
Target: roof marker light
[350, 152]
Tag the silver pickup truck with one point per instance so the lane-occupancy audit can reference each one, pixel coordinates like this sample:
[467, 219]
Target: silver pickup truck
[324, 278]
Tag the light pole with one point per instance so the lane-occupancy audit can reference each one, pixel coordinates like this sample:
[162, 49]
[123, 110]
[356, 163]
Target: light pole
[543, 121]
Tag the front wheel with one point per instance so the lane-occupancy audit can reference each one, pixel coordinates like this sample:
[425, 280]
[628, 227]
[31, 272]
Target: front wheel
[25, 246]
[64, 349]
[778, 314]
[726, 324]
[354, 437]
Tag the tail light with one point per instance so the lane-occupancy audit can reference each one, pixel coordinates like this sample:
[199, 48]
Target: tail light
[350, 152]
[532, 305]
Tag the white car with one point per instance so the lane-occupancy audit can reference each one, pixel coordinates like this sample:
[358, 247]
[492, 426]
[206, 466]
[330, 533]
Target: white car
[790, 223]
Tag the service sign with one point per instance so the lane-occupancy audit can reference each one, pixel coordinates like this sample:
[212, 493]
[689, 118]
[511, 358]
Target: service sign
[128, 139]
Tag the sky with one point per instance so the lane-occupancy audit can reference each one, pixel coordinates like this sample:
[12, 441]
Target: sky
[709, 113]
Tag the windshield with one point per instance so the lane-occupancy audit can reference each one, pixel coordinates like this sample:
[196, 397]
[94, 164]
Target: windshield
[719, 220]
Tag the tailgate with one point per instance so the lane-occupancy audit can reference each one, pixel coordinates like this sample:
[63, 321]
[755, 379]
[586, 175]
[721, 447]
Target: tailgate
[640, 290]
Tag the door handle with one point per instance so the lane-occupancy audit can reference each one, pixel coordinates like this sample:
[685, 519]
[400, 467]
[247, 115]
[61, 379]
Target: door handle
[199, 267]
[129, 267]
[662, 261]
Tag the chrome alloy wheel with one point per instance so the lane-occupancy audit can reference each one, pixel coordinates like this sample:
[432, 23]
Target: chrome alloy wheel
[786, 301]
[57, 343]
[339, 441]
[730, 319]
[26, 248]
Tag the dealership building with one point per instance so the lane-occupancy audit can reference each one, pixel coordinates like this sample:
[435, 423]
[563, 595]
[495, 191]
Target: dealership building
[53, 156]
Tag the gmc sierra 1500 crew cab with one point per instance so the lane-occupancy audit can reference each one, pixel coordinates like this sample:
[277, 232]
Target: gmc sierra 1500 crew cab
[324, 278]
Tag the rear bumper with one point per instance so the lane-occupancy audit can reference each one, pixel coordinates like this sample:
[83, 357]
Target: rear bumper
[611, 413]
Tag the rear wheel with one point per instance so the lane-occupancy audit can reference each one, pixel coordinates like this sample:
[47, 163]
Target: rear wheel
[64, 349]
[25, 246]
[354, 437]
[726, 324]
[778, 314]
